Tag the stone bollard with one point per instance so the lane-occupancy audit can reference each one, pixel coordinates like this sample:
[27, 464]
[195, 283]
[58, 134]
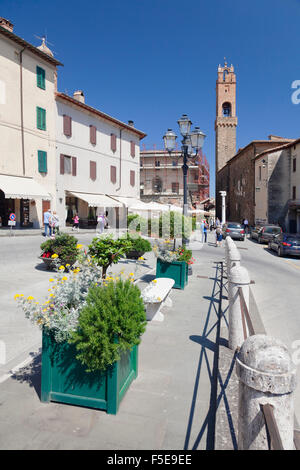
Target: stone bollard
[228, 245]
[266, 376]
[233, 257]
[239, 277]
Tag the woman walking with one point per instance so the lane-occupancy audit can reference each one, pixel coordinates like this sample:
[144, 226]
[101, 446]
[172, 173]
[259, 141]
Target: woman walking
[76, 222]
[55, 223]
[219, 236]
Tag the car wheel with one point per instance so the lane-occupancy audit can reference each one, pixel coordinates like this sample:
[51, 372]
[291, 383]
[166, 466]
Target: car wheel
[279, 252]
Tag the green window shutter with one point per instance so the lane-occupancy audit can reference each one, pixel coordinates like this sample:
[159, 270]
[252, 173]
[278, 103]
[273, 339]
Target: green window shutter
[42, 161]
[40, 77]
[41, 118]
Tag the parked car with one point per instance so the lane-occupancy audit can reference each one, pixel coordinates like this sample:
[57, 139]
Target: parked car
[234, 230]
[285, 244]
[264, 233]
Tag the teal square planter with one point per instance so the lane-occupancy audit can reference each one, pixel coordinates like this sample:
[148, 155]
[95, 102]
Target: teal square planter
[176, 270]
[64, 379]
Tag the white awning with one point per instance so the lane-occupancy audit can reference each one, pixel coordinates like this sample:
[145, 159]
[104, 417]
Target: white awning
[96, 200]
[128, 201]
[21, 187]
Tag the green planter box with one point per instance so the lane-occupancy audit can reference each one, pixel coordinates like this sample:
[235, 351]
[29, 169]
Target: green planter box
[177, 270]
[65, 380]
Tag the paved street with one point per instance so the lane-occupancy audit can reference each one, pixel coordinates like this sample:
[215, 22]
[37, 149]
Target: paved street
[175, 390]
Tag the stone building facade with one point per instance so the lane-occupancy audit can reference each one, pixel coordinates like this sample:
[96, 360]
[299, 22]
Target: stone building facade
[237, 178]
[277, 187]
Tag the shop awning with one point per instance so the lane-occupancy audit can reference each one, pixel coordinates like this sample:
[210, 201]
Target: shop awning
[21, 187]
[129, 201]
[96, 200]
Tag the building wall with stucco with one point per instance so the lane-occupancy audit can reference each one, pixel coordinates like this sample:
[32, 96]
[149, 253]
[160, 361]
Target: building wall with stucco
[78, 145]
[14, 63]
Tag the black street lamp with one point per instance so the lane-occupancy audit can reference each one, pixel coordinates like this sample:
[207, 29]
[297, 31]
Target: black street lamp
[191, 140]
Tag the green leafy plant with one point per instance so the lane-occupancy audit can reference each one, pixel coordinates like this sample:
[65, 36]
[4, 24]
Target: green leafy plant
[64, 246]
[139, 243]
[106, 251]
[112, 321]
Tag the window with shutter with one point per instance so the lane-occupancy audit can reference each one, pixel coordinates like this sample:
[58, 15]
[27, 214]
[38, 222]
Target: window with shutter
[132, 178]
[40, 77]
[113, 174]
[113, 142]
[42, 161]
[74, 166]
[41, 118]
[93, 135]
[67, 125]
[93, 172]
[132, 149]
[62, 164]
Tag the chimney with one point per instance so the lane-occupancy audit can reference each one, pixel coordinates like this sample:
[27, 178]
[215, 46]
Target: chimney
[131, 123]
[6, 24]
[79, 96]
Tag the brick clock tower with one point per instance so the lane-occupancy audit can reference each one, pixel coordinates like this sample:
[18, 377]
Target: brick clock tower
[226, 122]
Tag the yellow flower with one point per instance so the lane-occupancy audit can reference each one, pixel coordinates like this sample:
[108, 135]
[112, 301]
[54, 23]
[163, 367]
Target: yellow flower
[30, 297]
[78, 246]
[51, 280]
[16, 296]
[61, 268]
[131, 274]
[67, 265]
[64, 278]
[51, 295]
[154, 281]
[54, 256]
[49, 290]
[158, 298]
[141, 258]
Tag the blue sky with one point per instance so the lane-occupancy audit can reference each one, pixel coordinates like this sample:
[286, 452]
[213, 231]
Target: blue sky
[152, 60]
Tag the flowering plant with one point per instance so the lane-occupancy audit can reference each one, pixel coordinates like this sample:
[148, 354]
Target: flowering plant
[62, 246]
[164, 252]
[67, 296]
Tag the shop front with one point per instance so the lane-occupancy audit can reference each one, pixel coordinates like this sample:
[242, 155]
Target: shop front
[88, 206]
[24, 197]
[293, 224]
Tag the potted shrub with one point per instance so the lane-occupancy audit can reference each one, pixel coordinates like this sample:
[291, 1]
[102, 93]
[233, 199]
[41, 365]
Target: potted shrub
[139, 246]
[106, 251]
[173, 263]
[91, 333]
[63, 249]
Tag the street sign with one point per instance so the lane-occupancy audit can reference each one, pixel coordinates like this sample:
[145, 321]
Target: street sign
[12, 216]
[12, 223]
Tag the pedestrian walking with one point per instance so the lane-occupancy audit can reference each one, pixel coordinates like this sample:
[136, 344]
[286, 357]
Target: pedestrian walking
[75, 222]
[204, 232]
[219, 236]
[47, 218]
[55, 222]
[218, 223]
[101, 219]
[246, 226]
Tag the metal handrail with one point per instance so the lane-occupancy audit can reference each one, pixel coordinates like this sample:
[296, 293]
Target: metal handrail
[272, 428]
[245, 315]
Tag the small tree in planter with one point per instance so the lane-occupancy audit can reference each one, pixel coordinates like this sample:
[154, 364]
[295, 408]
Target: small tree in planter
[139, 246]
[63, 248]
[101, 324]
[106, 251]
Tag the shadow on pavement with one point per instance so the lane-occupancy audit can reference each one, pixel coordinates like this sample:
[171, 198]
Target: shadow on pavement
[31, 374]
[214, 310]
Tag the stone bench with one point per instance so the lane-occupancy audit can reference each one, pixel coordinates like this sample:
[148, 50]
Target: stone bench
[155, 296]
